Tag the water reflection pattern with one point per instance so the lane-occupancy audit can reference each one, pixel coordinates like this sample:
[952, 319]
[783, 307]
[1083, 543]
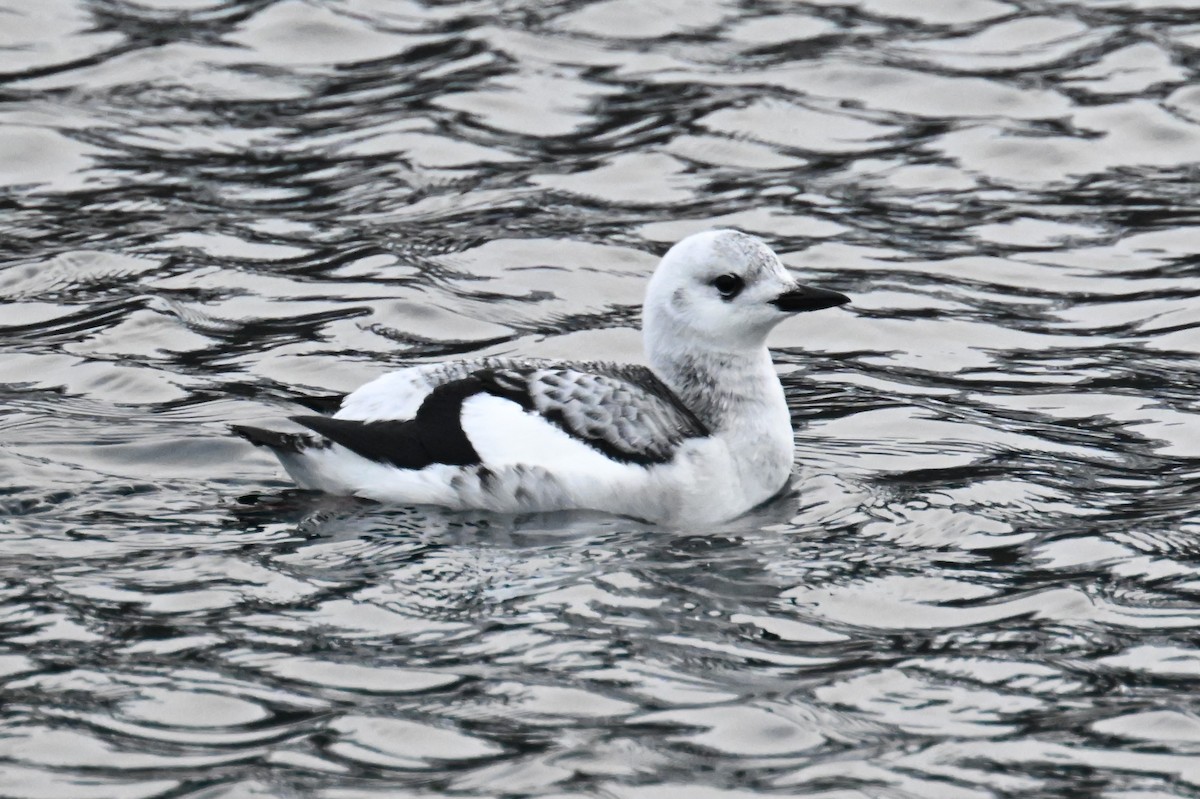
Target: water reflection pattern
[987, 586]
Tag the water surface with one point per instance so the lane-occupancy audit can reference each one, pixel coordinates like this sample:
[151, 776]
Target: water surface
[985, 586]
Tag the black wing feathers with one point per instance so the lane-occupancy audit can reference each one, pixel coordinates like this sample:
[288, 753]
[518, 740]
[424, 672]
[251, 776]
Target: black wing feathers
[434, 435]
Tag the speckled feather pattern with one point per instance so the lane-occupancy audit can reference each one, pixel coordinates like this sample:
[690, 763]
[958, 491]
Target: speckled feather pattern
[625, 411]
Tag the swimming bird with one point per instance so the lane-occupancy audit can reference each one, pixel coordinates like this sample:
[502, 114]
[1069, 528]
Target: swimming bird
[702, 435]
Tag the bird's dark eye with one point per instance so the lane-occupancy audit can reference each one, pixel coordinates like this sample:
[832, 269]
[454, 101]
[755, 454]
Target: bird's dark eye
[729, 286]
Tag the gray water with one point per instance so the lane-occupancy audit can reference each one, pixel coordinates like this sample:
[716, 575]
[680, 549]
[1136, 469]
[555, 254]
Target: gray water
[986, 584]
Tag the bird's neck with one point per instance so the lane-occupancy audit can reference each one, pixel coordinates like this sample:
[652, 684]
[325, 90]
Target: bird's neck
[729, 386]
[737, 395]
[727, 389]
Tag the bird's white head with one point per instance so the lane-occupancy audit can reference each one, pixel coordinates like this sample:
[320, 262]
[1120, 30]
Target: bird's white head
[722, 291]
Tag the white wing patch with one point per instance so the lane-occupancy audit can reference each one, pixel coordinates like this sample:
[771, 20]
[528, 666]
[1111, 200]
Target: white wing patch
[505, 434]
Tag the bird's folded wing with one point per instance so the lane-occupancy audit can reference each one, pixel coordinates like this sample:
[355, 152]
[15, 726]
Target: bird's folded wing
[624, 412]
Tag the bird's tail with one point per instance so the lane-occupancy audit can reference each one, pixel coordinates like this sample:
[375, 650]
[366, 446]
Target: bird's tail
[275, 440]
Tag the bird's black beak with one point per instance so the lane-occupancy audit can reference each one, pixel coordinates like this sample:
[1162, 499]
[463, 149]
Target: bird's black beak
[807, 298]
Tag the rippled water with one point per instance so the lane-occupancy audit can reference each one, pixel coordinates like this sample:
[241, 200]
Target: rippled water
[986, 585]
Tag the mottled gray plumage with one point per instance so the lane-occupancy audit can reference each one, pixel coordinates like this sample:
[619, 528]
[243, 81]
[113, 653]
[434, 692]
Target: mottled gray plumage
[624, 411]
